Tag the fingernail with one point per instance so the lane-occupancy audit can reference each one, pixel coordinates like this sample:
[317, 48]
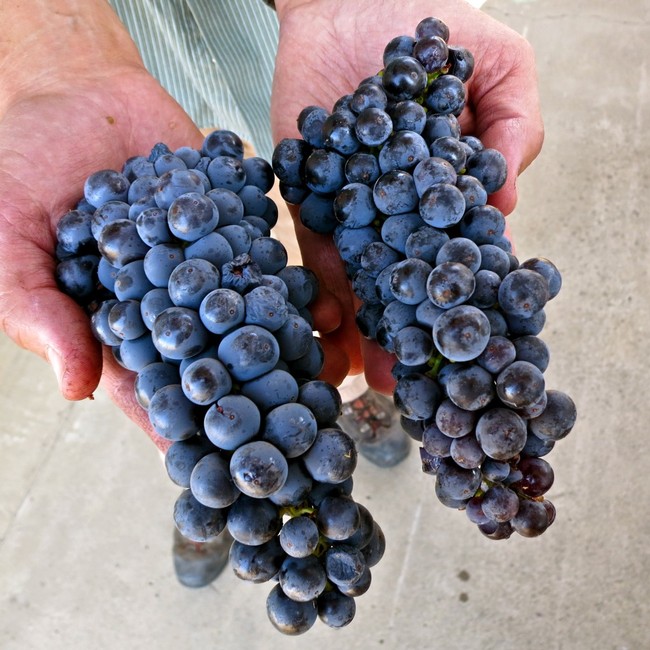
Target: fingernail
[55, 360]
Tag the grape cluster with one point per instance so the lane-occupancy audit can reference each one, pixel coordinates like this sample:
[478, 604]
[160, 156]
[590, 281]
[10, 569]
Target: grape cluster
[173, 260]
[404, 195]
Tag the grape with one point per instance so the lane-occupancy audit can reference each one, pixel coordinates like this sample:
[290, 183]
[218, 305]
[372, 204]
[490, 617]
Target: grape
[205, 381]
[451, 150]
[454, 421]
[336, 609]
[256, 563]
[450, 284]
[461, 333]
[120, 243]
[395, 193]
[532, 349]
[258, 468]
[299, 537]
[363, 168]
[466, 452]
[373, 126]
[288, 616]
[322, 400]
[408, 280]
[558, 417]
[178, 333]
[223, 143]
[537, 477]
[435, 442]
[461, 62]
[171, 414]
[500, 504]
[310, 124]
[499, 353]
[442, 205]
[403, 150]
[339, 132]
[501, 433]
[275, 388]
[332, 457]
[160, 261]
[226, 172]
[135, 354]
[521, 384]
[77, 276]
[404, 78]
[408, 115]
[302, 579]
[125, 319]
[74, 232]
[396, 229]
[489, 167]
[456, 482]
[483, 224]
[211, 483]
[523, 293]
[354, 206]
[248, 352]
[253, 521]
[338, 517]
[152, 226]
[291, 427]
[105, 185]
[183, 455]
[173, 184]
[195, 521]
[296, 489]
[445, 94]
[265, 307]
[532, 518]
[232, 421]
[431, 51]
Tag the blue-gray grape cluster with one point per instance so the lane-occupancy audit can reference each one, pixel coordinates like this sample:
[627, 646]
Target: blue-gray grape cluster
[404, 195]
[173, 260]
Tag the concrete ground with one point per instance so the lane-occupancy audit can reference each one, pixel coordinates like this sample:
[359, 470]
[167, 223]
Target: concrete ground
[85, 505]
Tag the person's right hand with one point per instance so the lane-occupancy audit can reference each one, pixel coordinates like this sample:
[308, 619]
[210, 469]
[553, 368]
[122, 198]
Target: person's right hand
[74, 98]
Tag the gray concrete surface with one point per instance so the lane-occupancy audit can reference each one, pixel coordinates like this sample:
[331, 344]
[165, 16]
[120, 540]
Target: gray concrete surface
[85, 505]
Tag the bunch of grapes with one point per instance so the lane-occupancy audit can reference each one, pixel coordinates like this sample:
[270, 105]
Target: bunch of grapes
[404, 195]
[173, 260]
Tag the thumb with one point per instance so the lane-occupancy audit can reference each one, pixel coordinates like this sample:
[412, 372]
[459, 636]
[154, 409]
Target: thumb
[50, 324]
[519, 140]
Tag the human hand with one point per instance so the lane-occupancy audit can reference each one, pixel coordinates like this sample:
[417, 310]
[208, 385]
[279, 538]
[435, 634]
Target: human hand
[70, 109]
[328, 46]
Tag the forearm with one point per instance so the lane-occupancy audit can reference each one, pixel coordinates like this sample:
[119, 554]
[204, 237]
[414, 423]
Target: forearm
[52, 42]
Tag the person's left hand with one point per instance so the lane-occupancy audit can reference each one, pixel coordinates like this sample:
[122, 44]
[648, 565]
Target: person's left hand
[327, 47]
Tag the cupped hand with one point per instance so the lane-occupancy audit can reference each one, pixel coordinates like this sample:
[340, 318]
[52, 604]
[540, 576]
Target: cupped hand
[328, 46]
[51, 139]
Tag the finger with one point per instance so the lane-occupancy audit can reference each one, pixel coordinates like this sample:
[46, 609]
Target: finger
[378, 366]
[41, 319]
[119, 383]
[337, 364]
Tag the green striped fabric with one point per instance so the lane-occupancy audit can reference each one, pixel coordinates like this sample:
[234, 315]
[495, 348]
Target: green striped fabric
[215, 57]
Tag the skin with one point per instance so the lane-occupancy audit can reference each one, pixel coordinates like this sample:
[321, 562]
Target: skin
[72, 88]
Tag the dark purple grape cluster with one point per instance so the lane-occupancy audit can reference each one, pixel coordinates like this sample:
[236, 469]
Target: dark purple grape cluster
[173, 260]
[404, 195]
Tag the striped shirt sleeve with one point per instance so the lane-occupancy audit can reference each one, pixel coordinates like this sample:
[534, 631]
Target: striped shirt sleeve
[215, 57]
